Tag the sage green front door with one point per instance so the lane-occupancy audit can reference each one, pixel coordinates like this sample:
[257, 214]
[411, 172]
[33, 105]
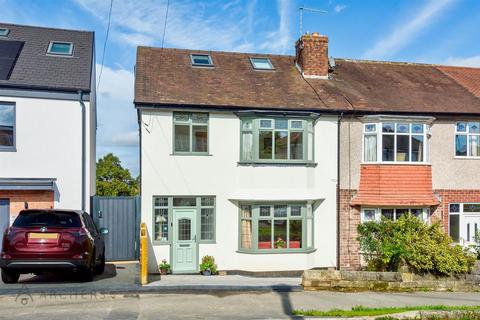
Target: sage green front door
[184, 241]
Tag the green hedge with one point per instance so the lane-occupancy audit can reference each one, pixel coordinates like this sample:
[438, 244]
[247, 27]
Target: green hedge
[388, 245]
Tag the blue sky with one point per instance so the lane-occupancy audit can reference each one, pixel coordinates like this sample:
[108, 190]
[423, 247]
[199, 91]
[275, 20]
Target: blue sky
[431, 31]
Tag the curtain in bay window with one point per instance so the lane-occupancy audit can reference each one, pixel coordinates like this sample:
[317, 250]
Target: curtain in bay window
[247, 147]
[370, 147]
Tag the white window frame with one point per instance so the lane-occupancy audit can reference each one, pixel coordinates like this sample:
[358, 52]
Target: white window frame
[378, 213]
[461, 214]
[70, 52]
[210, 61]
[4, 32]
[267, 60]
[379, 134]
[468, 134]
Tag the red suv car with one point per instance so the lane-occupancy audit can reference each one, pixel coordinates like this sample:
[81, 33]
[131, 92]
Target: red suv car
[48, 240]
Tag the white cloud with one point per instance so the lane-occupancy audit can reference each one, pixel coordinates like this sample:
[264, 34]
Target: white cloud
[116, 84]
[280, 39]
[473, 61]
[406, 32]
[191, 24]
[123, 139]
[339, 8]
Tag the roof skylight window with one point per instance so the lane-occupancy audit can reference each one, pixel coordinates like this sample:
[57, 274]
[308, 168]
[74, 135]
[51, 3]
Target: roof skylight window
[4, 32]
[60, 48]
[201, 60]
[261, 63]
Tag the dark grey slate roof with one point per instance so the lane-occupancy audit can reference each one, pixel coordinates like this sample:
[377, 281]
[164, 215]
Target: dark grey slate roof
[36, 69]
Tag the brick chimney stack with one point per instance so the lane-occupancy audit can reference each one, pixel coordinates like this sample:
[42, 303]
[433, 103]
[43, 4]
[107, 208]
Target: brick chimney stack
[312, 55]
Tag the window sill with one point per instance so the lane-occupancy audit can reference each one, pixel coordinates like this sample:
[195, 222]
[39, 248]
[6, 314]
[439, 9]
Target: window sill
[8, 149]
[466, 158]
[398, 163]
[201, 154]
[276, 251]
[277, 163]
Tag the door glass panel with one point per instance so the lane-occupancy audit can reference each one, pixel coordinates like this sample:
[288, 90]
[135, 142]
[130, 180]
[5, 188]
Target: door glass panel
[468, 232]
[264, 234]
[184, 229]
[454, 227]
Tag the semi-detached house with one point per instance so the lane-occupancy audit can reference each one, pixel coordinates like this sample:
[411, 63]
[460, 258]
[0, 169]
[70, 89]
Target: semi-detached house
[269, 162]
[47, 119]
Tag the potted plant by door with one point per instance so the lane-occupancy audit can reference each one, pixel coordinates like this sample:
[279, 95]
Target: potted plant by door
[208, 266]
[164, 267]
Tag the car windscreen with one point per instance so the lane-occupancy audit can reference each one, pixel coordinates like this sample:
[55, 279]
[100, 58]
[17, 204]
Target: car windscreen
[48, 219]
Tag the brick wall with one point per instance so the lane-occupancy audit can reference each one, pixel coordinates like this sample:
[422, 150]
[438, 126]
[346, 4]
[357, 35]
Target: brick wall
[448, 196]
[37, 199]
[349, 220]
[312, 54]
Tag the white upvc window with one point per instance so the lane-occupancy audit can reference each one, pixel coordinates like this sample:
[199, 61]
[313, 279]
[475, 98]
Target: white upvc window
[467, 139]
[398, 142]
[376, 214]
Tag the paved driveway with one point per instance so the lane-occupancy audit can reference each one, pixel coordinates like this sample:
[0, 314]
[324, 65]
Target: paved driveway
[115, 277]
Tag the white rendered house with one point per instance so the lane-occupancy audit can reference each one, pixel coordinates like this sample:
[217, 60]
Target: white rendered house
[238, 161]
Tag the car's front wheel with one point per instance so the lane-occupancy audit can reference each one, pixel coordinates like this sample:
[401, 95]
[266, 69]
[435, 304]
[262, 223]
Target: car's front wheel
[10, 276]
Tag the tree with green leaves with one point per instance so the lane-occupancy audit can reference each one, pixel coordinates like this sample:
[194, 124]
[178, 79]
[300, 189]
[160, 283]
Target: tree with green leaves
[114, 180]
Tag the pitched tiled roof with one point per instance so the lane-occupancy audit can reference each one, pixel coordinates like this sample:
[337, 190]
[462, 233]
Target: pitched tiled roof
[35, 69]
[395, 185]
[165, 76]
[467, 77]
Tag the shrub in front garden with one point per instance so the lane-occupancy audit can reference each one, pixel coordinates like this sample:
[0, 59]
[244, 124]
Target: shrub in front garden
[388, 245]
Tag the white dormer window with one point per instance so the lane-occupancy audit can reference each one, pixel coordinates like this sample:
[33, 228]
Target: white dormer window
[261, 63]
[60, 48]
[4, 32]
[203, 60]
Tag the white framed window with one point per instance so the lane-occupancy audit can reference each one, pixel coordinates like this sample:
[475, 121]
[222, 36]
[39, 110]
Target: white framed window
[60, 48]
[376, 214]
[395, 142]
[467, 139]
[261, 64]
[203, 60]
[4, 32]
[464, 222]
[190, 133]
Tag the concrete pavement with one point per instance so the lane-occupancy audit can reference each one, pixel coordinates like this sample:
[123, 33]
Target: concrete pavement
[222, 305]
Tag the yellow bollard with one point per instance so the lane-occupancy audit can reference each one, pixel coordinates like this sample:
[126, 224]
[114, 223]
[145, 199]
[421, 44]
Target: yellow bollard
[143, 254]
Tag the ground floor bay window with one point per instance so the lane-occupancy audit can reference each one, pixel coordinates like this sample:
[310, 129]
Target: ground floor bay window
[376, 214]
[276, 227]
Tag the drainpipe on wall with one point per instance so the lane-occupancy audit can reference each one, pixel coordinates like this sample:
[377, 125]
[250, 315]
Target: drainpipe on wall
[338, 190]
[82, 105]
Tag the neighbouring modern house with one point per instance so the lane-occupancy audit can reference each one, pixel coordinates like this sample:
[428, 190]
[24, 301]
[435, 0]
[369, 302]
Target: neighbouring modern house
[47, 119]
[270, 162]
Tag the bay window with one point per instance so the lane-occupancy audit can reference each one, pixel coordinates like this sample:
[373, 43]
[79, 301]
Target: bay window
[467, 139]
[394, 142]
[376, 214]
[275, 227]
[271, 140]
